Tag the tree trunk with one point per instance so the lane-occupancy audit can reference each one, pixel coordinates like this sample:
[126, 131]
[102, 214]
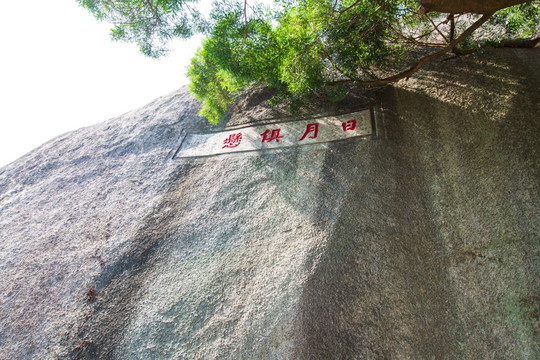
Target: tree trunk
[468, 6]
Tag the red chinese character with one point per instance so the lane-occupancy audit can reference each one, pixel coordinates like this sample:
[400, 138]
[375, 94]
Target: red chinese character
[274, 136]
[233, 141]
[349, 125]
[311, 128]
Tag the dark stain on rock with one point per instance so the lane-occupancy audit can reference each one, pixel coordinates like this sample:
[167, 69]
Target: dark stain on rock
[120, 282]
[380, 289]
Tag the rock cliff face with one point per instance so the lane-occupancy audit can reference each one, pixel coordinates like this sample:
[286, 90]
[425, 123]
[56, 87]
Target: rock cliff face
[420, 243]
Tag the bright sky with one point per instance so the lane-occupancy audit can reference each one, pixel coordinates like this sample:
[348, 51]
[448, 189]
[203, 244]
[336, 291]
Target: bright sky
[60, 71]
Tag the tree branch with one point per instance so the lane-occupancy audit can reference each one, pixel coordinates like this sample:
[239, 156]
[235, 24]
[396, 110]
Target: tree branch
[520, 43]
[437, 28]
[468, 6]
[419, 63]
[515, 43]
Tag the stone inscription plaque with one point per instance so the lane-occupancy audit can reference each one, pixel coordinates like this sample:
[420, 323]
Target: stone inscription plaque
[277, 135]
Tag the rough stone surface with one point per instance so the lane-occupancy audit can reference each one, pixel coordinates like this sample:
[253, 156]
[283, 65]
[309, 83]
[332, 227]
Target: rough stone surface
[422, 243]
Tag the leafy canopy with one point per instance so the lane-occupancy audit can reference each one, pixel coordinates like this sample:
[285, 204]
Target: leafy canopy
[148, 23]
[304, 48]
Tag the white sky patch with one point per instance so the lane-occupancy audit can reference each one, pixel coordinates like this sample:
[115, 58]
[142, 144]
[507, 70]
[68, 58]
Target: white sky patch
[60, 71]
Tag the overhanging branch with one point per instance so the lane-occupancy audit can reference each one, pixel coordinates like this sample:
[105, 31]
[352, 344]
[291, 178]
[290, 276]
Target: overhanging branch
[419, 63]
[468, 6]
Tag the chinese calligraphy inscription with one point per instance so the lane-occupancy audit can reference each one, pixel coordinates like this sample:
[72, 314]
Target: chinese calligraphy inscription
[349, 125]
[278, 135]
[311, 128]
[274, 136]
[233, 141]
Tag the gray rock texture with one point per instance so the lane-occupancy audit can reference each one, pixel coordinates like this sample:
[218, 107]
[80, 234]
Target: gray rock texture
[421, 243]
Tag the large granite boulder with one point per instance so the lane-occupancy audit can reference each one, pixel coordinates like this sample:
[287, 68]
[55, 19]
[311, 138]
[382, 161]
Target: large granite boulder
[421, 242]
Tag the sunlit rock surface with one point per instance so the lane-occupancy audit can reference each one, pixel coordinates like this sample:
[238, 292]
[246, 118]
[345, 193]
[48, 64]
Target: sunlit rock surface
[420, 243]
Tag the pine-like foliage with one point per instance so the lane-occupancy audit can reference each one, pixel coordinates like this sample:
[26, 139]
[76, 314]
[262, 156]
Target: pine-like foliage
[304, 48]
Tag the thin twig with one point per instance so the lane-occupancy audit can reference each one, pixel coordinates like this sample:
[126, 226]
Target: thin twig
[337, 67]
[245, 20]
[436, 28]
[414, 41]
[452, 27]
[334, 8]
